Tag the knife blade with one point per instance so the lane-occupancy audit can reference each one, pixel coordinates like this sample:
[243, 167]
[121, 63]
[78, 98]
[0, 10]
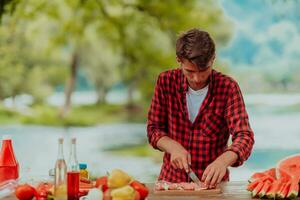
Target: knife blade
[194, 177]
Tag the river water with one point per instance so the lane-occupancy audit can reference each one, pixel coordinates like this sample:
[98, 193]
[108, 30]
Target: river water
[277, 135]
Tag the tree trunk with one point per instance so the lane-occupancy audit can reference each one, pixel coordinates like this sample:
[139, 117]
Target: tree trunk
[101, 93]
[130, 95]
[70, 85]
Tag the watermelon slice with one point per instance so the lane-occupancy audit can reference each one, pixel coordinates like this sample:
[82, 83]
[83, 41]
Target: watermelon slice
[251, 186]
[280, 182]
[257, 189]
[256, 176]
[283, 190]
[275, 186]
[265, 189]
[289, 167]
[271, 172]
[294, 189]
[283, 193]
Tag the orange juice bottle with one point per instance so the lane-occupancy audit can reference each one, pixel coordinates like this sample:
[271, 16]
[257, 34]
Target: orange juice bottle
[9, 166]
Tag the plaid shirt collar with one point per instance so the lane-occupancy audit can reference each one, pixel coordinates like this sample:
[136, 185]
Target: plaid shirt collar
[183, 88]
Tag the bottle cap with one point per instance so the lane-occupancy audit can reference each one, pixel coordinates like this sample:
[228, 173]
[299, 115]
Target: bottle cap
[60, 140]
[6, 137]
[82, 166]
[73, 140]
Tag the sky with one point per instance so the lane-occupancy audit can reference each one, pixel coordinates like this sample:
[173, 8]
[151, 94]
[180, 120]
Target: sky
[266, 35]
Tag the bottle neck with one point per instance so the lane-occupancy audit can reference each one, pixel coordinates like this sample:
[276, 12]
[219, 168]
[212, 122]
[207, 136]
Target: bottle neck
[7, 155]
[73, 163]
[6, 143]
[60, 154]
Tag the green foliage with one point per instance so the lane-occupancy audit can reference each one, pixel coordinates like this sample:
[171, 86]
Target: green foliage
[144, 34]
[142, 150]
[8, 116]
[82, 115]
[116, 41]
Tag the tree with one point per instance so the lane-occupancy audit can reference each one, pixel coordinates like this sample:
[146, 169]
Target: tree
[7, 6]
[67, 22]
[145, 31]
[24, 67]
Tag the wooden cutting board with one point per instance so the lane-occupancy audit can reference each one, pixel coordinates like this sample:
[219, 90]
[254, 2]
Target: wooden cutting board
[217, 190]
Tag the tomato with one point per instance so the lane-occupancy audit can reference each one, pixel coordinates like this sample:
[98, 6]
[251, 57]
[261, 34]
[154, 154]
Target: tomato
[43, 189]
[102, 181]
[25, 192]
[140, 188]
[137, 196]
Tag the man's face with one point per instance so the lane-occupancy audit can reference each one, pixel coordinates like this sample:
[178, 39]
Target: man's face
[197, 78]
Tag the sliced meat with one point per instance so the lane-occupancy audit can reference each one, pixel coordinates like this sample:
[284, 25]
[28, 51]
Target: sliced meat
[187, 186]
[174, 186]
[163, 185]
[202, 186]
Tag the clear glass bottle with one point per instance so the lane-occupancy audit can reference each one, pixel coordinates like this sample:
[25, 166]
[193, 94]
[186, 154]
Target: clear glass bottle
[60, 173]
[73, 174]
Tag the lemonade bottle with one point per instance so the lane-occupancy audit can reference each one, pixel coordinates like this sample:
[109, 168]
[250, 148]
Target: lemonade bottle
[60, 180]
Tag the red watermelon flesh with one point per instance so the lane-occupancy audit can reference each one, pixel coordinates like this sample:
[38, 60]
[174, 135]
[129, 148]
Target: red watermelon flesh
[251, 186]
[289, 166]
[275, 186]
[256, 176]
[294, 189]
[284, 190]
[270, 172]
[265, 189]
[257, 189]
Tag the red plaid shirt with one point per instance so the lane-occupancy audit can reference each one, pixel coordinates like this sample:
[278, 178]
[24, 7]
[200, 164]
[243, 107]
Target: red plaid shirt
[222, 113]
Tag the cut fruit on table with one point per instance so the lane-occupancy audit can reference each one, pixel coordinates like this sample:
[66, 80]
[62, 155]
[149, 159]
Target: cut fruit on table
[279, 182]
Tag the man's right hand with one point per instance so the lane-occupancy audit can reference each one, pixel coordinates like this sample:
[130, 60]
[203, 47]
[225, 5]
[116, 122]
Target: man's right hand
[180, 157]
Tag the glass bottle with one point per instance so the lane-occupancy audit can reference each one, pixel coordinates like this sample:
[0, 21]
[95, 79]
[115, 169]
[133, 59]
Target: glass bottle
[60, 173]
[9, 166]
[73, 174]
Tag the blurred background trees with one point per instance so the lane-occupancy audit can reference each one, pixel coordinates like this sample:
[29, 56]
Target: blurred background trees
[44, 44]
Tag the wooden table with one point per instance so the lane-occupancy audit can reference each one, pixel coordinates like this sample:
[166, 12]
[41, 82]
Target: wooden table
[230, 190]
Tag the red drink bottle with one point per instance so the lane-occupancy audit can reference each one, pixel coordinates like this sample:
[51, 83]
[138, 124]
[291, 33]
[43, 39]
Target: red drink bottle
[9, 166]
[73, 173]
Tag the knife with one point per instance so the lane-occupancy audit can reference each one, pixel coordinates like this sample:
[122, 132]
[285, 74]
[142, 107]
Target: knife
[194, 177]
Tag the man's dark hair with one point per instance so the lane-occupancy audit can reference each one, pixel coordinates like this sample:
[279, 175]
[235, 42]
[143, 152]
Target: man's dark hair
[196, 46]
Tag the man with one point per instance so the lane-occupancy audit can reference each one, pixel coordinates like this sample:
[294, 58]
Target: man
[194, 109]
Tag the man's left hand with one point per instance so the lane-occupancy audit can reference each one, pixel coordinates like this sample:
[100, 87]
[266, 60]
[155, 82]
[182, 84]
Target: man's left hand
[214, 173]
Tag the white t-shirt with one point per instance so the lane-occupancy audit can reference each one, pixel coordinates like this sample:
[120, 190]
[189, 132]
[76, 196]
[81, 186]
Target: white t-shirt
[194, 100]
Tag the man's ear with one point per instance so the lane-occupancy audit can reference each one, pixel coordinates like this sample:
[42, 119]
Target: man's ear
[212, 60]
[178, 59]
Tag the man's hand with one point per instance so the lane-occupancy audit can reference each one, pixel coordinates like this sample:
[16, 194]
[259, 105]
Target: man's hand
[180, 157]
[215, 171]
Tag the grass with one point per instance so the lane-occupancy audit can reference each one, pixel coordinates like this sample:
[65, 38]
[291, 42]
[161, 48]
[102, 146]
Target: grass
[78, 116]
[8, 116]
[141, 150]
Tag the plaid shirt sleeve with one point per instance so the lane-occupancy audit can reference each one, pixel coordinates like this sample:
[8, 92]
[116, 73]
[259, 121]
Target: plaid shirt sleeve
[157, 115]
[238, 124]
